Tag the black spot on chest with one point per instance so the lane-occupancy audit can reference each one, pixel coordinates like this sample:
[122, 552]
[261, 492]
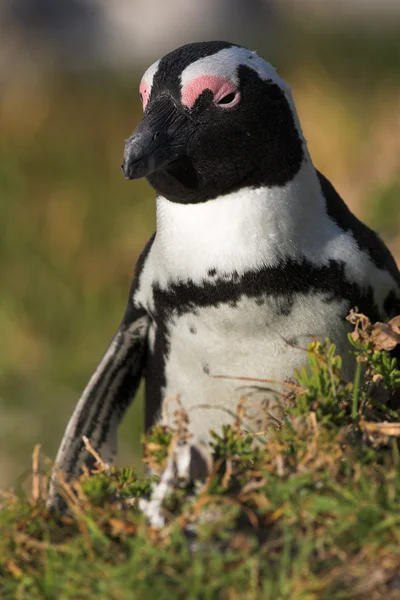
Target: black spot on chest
[284, 306]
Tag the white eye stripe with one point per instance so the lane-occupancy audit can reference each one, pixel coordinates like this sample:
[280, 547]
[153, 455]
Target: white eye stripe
[149, 75]
[225, 64]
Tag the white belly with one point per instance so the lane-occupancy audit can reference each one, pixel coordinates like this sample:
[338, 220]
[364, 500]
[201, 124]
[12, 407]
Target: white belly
[249, 340]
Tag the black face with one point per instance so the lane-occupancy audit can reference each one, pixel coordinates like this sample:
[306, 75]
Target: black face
[194, 155]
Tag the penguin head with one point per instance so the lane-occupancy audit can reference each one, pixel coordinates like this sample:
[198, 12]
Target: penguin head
[217, 118]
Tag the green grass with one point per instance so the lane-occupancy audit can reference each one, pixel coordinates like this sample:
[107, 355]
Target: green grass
[312, 513]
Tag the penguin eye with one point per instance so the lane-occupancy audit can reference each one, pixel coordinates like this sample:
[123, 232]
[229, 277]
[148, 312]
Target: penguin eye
[229, 100]
[226, 99]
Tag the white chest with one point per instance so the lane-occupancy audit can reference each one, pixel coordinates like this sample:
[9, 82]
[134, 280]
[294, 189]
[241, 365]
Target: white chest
[251, 340]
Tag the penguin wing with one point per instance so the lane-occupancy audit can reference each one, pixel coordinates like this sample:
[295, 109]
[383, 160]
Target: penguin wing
[106, 397]
[367, 239]
[104, 401]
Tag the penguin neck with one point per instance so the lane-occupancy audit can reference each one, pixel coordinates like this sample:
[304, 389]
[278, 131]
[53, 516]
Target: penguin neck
[248, 229]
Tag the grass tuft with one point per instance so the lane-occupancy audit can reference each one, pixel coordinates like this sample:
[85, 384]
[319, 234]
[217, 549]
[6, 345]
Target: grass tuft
[311, 512]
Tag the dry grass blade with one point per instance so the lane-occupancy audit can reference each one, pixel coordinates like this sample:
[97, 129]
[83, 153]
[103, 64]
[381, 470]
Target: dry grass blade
[14, 569]
[36, 481]
[284, 384]
[31, 542]
[99, 461]
[228, 473]
[254, 485]
[385, 429]
[165, 405]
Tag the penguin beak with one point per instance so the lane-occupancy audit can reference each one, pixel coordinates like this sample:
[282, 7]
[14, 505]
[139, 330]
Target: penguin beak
[159, 139]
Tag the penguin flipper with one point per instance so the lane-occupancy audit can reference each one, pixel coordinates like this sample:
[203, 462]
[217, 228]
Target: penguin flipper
[104, 402]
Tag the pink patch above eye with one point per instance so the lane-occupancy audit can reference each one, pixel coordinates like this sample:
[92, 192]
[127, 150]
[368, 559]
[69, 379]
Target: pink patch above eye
[219, 86]
[144, 93]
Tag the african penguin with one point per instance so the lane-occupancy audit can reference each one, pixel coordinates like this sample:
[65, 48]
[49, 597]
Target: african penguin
[255, 253]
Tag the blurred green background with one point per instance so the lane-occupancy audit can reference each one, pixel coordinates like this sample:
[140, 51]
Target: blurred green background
[72, 227]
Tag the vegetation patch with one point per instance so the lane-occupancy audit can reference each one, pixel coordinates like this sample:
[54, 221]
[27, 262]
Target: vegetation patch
[310, 511]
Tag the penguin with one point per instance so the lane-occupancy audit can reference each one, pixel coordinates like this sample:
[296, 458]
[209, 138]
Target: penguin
[255, 253]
